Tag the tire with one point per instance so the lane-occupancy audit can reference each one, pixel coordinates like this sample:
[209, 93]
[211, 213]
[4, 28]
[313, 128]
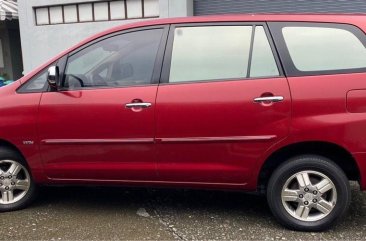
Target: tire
[17, 188]
[308, 204]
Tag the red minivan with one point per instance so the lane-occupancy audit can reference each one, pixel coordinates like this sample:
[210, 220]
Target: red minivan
[269, 103]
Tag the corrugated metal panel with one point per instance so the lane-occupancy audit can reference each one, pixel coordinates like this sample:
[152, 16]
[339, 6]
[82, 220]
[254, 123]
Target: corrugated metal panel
[209, 7]
[8, 9]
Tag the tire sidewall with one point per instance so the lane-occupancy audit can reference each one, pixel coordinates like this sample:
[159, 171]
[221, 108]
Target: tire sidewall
[311, 163]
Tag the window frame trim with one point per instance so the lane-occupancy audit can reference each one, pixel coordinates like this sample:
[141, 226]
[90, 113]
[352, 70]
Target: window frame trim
[165, 74]
[157, 64]
[288, 64]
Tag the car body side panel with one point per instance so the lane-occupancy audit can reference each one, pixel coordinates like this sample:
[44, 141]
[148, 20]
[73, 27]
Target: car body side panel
[214, 131]
[90, 134]
[320, 114]
[18, 118]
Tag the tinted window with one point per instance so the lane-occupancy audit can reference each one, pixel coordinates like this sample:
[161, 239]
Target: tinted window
[263, 63]
[122, 60]
[220, 52]
[208, 53]
[323, 48]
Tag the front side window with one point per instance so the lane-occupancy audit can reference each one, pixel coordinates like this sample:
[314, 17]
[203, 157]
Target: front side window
[324, 48]
[220, 52]
[123, 60]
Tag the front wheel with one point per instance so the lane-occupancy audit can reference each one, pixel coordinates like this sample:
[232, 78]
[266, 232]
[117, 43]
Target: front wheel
[17, 188]
[308, 193]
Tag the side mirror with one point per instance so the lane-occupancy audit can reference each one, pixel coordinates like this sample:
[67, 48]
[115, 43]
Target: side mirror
[53, 76]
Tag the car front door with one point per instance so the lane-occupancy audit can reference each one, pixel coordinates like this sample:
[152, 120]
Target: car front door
[100, 124]
[222, 103]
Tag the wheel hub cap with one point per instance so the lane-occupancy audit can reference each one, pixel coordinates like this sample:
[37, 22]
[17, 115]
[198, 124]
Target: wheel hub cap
[309, 197]
[7, 182]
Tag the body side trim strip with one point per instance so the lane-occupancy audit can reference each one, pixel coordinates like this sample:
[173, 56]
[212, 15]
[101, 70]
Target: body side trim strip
[218, 139]
[160, 140]
[97, 141]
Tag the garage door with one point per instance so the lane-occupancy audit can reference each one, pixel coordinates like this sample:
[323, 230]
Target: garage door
[207, 7]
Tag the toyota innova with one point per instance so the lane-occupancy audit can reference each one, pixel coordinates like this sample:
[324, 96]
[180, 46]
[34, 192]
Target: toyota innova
[274, 104]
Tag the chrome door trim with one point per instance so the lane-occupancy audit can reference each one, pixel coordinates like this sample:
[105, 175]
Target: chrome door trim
[138, 105]
[269, 99]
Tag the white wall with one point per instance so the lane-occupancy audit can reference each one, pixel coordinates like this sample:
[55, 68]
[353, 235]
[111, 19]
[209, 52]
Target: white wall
[40, 43]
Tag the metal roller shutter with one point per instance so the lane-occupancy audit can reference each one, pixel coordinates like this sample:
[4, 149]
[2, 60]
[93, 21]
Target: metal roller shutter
[209, 7]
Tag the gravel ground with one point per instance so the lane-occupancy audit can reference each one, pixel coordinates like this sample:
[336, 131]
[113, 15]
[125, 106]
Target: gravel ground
[96, 213]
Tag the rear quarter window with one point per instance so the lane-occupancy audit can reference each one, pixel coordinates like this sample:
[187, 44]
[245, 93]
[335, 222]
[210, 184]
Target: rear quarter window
[316, 48]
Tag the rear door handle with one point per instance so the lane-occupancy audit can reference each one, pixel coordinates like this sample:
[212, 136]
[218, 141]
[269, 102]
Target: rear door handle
[269, 99]
[138, 105]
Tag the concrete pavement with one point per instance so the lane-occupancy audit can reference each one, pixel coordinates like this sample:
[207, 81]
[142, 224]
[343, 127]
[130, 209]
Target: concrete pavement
[113, 213]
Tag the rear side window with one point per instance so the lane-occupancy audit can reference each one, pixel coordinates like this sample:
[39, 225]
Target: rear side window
[263, 63]
[221, 52]
[322, 48]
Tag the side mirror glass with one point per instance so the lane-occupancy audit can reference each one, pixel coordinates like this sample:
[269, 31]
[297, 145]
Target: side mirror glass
[53, 76]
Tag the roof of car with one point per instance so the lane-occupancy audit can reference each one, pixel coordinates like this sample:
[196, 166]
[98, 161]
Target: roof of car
[359, 20]
[337, 18]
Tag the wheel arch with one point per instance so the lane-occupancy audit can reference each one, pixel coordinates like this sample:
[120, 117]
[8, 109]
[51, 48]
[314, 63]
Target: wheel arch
[336, 153]
[9, 145]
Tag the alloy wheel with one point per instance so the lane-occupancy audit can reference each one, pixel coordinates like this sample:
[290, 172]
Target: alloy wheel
[309, 196]
[15, 181]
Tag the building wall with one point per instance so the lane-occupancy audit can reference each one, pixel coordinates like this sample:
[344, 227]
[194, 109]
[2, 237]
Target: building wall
[209, 7]
[41, 42]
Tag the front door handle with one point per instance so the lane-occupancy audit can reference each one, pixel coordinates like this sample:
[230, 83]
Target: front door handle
[268, 99]
[138, 105]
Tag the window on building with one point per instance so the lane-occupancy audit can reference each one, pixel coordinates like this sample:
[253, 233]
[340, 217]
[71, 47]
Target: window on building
[96, 11]
[117, 10]
[324, 48]
[220, 52]
[85, 12]
[42, 16]
[70, 14]
[56, 15]
[123, 60]
[134, 9]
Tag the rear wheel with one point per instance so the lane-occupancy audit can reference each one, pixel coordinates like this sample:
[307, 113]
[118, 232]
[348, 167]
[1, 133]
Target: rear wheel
[308, 193]
[17, 188]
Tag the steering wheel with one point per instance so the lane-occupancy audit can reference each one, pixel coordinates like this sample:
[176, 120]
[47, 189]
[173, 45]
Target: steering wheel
[99, 80]
[78, 79]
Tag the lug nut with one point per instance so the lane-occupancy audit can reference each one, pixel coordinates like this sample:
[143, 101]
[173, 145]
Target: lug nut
[2, 178]
[306, 203]
[13, 183]
[315, 192]
[314, 200]
[6, 188]
[1, 184]
[10, 176]
[301, 196]
[306, 189]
